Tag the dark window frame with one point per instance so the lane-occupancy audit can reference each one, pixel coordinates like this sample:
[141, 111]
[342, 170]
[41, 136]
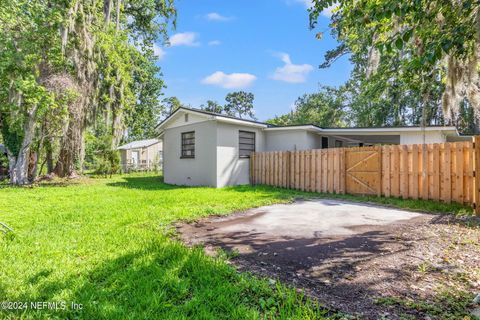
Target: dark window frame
[183, 145]
[240, 149]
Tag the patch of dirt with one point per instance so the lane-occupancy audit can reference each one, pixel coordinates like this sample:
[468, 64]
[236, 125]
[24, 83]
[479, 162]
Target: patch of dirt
[409, 260]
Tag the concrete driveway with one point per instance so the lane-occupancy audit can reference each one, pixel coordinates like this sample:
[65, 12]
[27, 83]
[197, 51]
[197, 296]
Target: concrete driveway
[310, 219]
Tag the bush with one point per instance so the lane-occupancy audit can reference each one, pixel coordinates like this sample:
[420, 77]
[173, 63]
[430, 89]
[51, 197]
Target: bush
[99, 154]
[107, 163]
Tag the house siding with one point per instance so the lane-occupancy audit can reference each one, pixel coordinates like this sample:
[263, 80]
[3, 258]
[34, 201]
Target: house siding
[289, 140]
[417, 137]
[179, 119]
[232, 170]
[200, 171]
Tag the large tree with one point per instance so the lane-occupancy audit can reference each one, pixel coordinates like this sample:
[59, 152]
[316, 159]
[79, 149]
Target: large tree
[240, 104]
[80, 61]
[327, 108]
[146, 113]
[415, 55]
[170, 104]
[213, 106]
[30, 73]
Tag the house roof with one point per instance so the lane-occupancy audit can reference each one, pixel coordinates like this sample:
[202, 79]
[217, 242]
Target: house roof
[138, 144]
[213, 115]
[312, 127]
[365, 130]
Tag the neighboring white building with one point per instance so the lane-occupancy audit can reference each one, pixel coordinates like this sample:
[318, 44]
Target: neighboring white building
[141, 155]
[204, 148]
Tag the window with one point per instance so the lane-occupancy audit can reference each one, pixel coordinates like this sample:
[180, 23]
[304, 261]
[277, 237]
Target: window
[338, 143]
[188, 144]
[246, 143]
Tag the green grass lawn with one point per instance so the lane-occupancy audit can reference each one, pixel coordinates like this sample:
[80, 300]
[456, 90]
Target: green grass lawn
[102, 243]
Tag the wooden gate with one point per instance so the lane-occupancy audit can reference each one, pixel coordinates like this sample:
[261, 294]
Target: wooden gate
[363, 170]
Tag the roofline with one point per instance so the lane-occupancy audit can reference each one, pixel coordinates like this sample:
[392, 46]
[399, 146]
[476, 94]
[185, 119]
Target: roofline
[391, 129]
[216, 116]
[395, 127]
[149, 145]
[309, 127]
[313, 127]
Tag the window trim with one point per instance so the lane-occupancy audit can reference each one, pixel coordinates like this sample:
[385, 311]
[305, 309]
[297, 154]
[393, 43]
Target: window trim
[254, 144]
[182, 156]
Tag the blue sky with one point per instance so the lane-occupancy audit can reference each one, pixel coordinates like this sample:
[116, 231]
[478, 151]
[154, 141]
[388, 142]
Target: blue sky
[264, 47]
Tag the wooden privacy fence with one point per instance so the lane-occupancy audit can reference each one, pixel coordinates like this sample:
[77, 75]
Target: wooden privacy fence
[442, 172]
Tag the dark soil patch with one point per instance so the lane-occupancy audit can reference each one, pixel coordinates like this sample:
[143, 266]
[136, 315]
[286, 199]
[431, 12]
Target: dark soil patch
[403, 270]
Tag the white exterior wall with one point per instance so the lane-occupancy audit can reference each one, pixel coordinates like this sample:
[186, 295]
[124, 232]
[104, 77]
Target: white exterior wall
[179, 119]
[199, 171]
[417, 137]
[290, 140]
[314, 141]
[232, 170]
[153, 153]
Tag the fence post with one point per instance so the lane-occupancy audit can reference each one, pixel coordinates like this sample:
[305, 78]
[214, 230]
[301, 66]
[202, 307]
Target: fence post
[287, 169]
[379, 183]
[476, 155]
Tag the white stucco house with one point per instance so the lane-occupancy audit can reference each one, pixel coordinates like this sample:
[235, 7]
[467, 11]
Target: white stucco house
[204, 148]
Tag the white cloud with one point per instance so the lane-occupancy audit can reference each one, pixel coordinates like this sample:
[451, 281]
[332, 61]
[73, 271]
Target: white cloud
[158, 51]
[184, 39]
[327, 12]
[213, 16]
[306, 3]
[292, 73]
[230, 81]
[214, 43]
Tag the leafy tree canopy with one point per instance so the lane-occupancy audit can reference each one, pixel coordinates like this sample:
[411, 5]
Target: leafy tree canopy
[326, 108]
[419, 59]
[240, 104]
[213, 106]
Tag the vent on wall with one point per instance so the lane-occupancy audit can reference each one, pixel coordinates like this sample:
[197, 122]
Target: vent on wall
[186, 117]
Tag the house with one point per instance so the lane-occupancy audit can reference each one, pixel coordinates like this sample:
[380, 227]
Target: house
[204, 148]
[141, 155]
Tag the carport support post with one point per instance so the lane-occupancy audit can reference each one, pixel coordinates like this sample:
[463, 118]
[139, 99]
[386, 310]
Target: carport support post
[476, 151]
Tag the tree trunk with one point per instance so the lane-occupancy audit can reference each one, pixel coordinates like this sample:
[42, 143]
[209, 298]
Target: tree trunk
[49, 156]
[18, 164]
[119, 4]
[107, 10]
[71, 144]
[32, 166]
[69, 152]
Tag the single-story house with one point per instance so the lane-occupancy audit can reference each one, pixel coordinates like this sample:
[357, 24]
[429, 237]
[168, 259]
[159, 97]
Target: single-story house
[142, 155]
[205, 148]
